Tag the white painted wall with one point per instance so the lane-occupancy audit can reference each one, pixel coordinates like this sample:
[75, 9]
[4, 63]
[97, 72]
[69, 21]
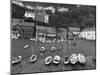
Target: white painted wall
[90, 35]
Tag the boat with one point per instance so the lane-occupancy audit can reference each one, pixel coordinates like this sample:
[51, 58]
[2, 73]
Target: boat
[54, 40]
[66, 59]
[56, 59]
[26, 46]
[53, 48]
[33, 58]
[16, 59]
[73, 58]
[48, 41]
[81, 59]
[48, 60]
[58, 41]
[42, 49]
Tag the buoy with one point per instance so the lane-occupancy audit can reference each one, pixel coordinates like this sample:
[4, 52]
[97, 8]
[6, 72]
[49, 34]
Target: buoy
[48, 60]
[33, 58]
[56, 59]
[73, 59]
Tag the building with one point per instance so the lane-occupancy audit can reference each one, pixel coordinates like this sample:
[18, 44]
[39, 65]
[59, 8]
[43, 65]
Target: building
[38, 15]
[45, 31]
[23, 29]
[72, 32]
[88, 33]
[16, 21]
[30, 14]
[62, 33]
[32, 29]
[74, 29]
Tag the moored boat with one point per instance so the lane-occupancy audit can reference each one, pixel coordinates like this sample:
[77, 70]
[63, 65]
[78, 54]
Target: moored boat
[73, 58]
[56, 59]
[16, 59]
[66, 59]
[48, 60]
[33, 58]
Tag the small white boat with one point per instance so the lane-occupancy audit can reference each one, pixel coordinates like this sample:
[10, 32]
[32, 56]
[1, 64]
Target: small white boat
[81, 58]
[32, 39]
[16, 59]
[56, 59]
[53, 41]
[73, 58]
[42, 49]
[33, 58]
[49, 41]
[43, 41]
[41, 54]
[26, 46]
[58, 41]
[48, 60]
[53, 48]
[66, 59]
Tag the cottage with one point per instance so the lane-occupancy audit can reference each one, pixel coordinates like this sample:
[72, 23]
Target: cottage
[88, 33]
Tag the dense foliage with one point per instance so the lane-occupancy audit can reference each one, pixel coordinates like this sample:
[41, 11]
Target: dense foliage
[82, 16]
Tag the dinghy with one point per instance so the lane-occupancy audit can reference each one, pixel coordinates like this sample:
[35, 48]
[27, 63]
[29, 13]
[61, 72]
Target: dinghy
[33, 58]
[73, 59]
[66, 60]
[81, 58]
[26, 46]
[16, 59]
[56, 59]
[42, 49]
[53, 48]
[48, 60]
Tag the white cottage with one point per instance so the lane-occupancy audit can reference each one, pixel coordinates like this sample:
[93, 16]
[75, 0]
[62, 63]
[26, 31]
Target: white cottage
[88, 33]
